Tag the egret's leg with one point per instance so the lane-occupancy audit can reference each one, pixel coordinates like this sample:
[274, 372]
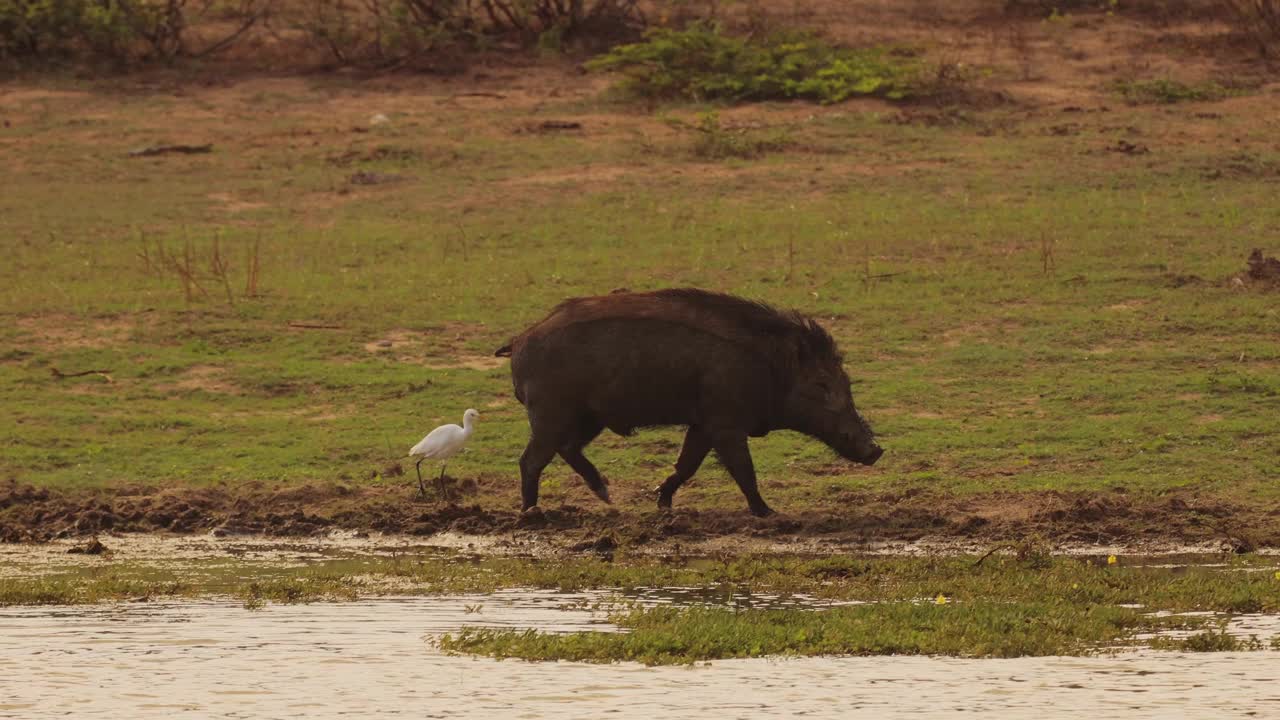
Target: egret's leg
[422, 488]
[444, 494]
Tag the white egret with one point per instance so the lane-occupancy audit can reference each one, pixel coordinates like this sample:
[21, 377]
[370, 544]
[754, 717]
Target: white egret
[441, 444]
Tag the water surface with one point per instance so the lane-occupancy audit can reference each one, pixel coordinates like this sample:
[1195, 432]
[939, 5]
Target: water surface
[375, 659]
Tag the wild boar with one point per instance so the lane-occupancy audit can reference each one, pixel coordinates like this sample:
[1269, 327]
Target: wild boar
[727, 368]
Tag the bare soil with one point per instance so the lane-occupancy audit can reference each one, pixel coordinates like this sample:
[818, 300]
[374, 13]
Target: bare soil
[28, 513]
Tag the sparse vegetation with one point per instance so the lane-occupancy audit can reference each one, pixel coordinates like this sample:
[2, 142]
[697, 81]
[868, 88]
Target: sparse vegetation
[712, 140]
[1245, 585]
[1168, 91]
[1258, 19]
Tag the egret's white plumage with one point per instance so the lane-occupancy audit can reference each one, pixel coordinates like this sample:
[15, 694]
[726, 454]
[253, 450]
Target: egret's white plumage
[441, 444]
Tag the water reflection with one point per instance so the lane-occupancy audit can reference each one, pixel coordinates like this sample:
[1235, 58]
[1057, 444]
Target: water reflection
[373, 659]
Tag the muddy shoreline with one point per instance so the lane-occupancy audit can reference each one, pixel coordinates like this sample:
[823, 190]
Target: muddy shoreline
[33, 514]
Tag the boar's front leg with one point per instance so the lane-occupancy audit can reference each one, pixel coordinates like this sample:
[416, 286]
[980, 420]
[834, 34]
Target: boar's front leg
[696, 446]
[536, 455]
[731, 448]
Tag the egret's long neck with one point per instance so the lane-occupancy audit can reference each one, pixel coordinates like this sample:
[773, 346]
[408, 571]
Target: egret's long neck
[468, 425]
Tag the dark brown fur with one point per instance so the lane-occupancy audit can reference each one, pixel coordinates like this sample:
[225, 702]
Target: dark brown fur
[724, 366]
[792, 339]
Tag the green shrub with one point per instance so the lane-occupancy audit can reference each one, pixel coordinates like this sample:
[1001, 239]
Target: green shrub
[700, 63]
[123, 31]
[42, 28]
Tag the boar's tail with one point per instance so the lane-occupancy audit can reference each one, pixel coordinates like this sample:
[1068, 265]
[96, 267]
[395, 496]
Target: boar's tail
[504, 351]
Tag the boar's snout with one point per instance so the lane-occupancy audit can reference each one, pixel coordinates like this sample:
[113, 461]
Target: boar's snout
[872, 455]
[860, 446]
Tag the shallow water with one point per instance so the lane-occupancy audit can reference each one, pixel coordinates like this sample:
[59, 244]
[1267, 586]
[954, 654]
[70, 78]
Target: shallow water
[375, 659]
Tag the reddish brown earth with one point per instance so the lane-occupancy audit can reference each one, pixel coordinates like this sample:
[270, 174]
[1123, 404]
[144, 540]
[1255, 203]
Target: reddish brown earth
[28, 513]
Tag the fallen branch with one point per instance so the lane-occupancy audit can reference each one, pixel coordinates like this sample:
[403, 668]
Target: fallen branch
[313, 326]
[1239, 544]
[994, 550]
[496, 96]
[58, 374]
[166, 149]
[547, 126]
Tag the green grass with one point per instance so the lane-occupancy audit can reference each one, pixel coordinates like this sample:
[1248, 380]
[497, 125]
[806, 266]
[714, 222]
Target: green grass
[1003, 302]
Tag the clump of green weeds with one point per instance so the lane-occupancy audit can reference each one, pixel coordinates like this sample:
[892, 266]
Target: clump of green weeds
[78, 591]
[701, 63]
[1213, 640]
[1167, 91]
[307, 588]
[671, 635]
[712, 140]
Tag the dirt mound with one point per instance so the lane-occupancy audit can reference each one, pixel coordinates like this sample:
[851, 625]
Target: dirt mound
[29, 513]
[1263, 270]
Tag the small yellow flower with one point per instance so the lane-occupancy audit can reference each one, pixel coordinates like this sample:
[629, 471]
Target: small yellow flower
[1111, 560]
[942, 599]
[1075, 586]
[1278, 574]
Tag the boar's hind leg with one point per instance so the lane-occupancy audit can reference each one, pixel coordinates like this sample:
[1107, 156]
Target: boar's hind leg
[572, 454]
[536, 455]
[695, 449]
[736, 457]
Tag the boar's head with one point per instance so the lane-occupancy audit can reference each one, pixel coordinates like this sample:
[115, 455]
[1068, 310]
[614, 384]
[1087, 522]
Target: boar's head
[820, 404]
